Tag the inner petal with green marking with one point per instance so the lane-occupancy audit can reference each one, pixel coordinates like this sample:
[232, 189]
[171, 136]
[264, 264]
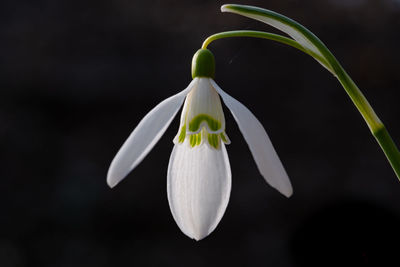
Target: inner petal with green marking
[204, 109]
[202, 119]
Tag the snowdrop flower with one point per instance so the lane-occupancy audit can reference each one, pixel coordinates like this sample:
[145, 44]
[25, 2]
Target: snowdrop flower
[199, 174]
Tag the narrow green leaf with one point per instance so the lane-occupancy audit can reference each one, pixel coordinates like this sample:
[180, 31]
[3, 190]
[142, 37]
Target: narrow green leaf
[298, 32]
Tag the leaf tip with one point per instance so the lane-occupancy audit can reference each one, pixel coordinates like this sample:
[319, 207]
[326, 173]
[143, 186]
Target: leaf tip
[225, 8]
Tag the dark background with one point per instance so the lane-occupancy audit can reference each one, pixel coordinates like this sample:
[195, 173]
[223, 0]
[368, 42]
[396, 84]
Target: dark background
[77, 76]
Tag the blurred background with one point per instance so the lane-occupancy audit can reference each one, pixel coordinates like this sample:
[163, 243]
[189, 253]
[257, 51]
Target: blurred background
[76, 77]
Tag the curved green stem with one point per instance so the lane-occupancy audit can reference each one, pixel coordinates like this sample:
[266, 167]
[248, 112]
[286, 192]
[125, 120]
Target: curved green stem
[262, 35]
[255, 34]
[328, 60]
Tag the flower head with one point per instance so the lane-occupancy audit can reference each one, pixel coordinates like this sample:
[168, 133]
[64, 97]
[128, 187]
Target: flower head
[199, 174]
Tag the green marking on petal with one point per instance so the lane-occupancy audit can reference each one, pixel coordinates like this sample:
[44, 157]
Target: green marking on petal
[195, 139]
[223, 137]
[213, 140]
[213, 124]
[198, 139]
[182, 134]
[209, 138]
[192, 140]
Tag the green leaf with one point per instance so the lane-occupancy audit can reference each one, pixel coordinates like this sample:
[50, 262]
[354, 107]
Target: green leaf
[305, 38]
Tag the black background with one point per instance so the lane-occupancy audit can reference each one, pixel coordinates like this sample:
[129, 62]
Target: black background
[77, 76]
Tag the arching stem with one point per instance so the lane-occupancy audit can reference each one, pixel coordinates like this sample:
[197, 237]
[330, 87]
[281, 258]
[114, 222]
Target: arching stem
[261, 35]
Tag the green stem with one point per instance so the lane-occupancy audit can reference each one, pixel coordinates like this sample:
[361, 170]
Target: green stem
[389, 148]
[262, 35]
[375, 125]
[255, 34]
[377, 128]
[328, 60]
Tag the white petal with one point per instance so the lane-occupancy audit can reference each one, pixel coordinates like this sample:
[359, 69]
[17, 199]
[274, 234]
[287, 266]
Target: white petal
[198, 185]
[259, 143]
[144, 137]
[187, 101]
[204, 109]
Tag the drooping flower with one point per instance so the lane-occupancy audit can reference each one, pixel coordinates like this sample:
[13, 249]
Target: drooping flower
[199, 174]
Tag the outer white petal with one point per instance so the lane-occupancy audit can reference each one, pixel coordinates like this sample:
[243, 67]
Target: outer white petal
[259, 143]
[198, 185]
[145, 136]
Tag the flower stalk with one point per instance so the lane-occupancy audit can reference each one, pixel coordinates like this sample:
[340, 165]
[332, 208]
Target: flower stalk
[305, 41]
[261, 35]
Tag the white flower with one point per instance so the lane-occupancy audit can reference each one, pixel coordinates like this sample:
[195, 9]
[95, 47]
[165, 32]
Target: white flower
[199, 174]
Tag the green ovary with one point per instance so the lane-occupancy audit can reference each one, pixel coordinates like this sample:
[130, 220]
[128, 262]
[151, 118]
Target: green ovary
[213, 124]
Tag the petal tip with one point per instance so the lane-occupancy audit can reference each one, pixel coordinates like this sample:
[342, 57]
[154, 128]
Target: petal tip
[288, 193]
[286, 190]
[198, 238]
[113, 177]
[111, 182]
[198, 235]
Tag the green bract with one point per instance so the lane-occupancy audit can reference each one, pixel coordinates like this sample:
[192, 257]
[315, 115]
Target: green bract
[203, 64]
